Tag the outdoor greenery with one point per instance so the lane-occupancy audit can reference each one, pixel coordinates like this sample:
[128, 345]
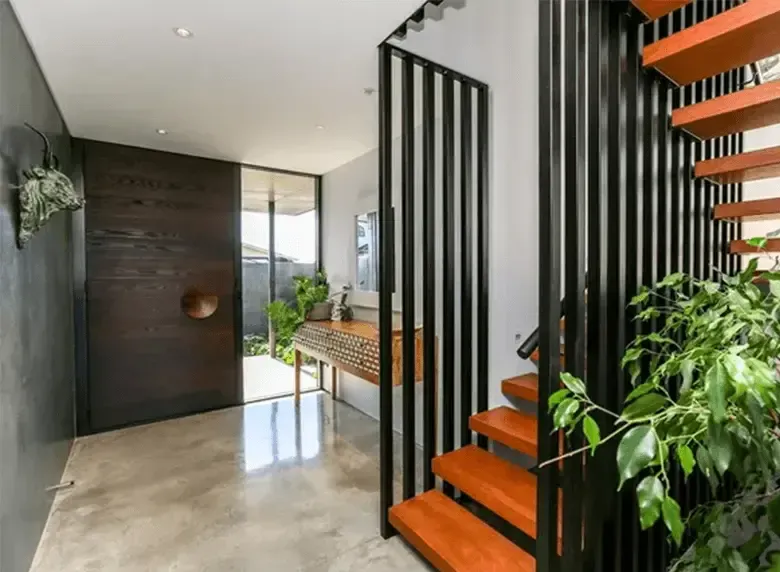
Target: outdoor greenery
[705, 400]
[255, 345]
[286, 318]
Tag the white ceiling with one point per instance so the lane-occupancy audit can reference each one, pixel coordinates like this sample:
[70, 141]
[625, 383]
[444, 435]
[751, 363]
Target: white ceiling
[292, 194]
[252, 85]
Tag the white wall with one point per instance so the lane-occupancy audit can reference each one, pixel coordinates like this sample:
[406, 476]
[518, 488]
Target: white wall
[754, 190]
[495, 41]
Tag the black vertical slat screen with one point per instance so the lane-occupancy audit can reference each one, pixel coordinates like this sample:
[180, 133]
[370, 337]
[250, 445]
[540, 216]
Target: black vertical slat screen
[483, 255]
[549, 267]
[429, 275]
[448, 254]
[574, 159]
[466, 263]
[421, 184]
[386, 281]
[619, 208]
[408, 264]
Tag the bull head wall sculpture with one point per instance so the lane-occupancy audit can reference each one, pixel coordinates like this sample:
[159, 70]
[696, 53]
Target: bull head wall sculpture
[45, 192]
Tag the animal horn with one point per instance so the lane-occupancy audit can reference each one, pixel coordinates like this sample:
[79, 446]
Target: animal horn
[47, 153]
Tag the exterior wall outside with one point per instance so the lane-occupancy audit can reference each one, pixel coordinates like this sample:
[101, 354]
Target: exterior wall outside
[255, 295]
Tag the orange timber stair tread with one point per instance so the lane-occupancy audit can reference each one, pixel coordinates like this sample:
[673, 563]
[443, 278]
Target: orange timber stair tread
[751, 166]
[453, 539]
[732, 39]
[522, 386]
[744, 110]
[753, 210]
[508, 426]
[654, 9]
[742, 247]
[504, 488]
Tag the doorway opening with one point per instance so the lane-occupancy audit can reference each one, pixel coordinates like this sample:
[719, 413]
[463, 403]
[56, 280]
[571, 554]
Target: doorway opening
[279, 258]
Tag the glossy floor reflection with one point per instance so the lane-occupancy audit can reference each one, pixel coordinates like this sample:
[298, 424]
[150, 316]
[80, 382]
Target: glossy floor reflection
[254, 489]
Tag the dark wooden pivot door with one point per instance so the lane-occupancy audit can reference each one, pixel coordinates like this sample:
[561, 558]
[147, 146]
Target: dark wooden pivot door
[161, 242]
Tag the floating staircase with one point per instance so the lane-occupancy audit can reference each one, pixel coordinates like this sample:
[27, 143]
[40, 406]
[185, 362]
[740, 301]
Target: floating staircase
[752, 166]
[654, 9]
[736, 38]
[453, 538]
[431, 10]
[737, 112]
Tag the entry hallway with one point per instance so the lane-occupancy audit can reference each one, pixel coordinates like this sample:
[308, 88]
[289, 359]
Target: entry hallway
[256, 488]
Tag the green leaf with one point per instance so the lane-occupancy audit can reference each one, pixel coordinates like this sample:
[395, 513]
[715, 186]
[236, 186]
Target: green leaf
[635, 369]
[574, 384]
[773, 512]
[557, 397]
[720, 446]
[687, 462]
[592, 432]
[644, 406]
[637, 450]
[672, 280]
[753, 548]
[565, 413]
[632, 354]
[650, 495]
[641, 390]
[671, 512]
[774, 288]
[736, 563]
[686, 369]
[716, 385]
[705, 466]
[747, 274]
[643, 295]
[757, 242]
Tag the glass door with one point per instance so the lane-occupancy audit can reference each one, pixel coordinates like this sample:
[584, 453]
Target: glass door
[279, 250]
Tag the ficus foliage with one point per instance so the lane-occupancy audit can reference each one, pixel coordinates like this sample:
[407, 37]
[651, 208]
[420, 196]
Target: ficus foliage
[705, 400]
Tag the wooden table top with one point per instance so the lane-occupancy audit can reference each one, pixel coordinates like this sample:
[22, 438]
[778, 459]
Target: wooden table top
[361, 328]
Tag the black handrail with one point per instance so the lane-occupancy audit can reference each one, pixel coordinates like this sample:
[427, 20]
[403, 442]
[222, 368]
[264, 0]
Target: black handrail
[530, 344]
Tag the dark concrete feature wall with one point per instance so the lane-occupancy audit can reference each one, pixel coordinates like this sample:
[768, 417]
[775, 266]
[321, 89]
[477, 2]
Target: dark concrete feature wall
[157, 225]
[36, 315]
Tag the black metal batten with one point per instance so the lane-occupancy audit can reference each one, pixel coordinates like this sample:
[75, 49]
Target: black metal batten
[420, 182]
[386, 279]
[483, 256]
[549, 274]
[574, 204]
[646, 216]
[466, 263]
[429, 275]
[408, 341]
[448, 255]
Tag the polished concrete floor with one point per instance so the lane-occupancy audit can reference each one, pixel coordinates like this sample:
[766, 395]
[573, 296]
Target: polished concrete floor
[257, 488]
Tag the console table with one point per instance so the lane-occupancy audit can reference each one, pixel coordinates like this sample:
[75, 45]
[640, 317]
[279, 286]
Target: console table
[352, 347]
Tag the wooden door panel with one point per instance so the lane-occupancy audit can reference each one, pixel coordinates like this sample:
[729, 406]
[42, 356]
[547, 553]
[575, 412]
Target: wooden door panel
[158, 225]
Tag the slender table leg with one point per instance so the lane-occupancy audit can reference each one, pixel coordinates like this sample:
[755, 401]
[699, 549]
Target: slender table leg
[297, 376]
[334, 379]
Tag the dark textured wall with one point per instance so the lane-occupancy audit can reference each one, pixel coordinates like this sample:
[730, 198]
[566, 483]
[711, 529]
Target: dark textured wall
[157, 225]
[36, 317]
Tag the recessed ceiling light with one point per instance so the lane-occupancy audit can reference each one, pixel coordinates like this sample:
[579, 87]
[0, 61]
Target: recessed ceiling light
[183, 32]
[162, 132]
[320, 127]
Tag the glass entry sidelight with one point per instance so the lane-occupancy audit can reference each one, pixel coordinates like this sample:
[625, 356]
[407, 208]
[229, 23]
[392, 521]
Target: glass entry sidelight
[279, 246]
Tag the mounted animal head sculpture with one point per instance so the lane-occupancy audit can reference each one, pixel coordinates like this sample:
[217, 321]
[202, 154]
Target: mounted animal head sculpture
[45, 192]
